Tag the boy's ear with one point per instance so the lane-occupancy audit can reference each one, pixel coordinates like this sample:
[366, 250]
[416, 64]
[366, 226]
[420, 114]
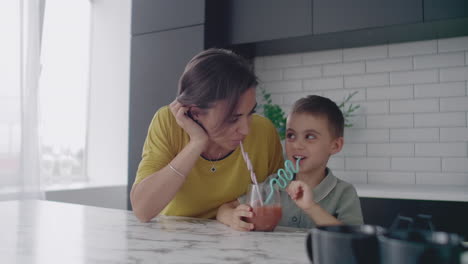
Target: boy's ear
[337, 145]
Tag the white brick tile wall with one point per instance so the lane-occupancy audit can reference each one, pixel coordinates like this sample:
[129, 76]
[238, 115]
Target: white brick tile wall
[270, 75]
[354, 135]
[453, 134]
[323, 83]
[259, 63]
[416, 164]
[390, 149]
[414, 106]
[366, 80]
[395, 92]
[413, 48]
[453, 44]
[455, 164]
[285, 109]
[290, 98]
[277, 99]
[391, 177]
[353, 150]
[322, 57]
[414, 135]
[455, 119]
[365, 53]
[388, 65]
[283, 61]
[283, 86]
[454, 104]
[440, 89]
[355, 177]
[352, 163]
[302, 72]
[344, 68]
[413, 77]
[441, 149]
[454, 74]
[412, 126]
[389, 121]
[336, 163]
[338, 96]
[458, 179]
[358, 121]
[439, 60]
[374, 107]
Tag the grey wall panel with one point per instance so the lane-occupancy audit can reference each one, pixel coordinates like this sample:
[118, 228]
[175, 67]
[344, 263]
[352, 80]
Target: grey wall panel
[445, 9]
[259, 20]
[157, 61]
[343, 15]
[158, 15]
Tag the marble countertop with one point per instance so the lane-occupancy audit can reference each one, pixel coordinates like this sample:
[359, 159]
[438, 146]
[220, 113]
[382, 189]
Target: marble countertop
[51, 232]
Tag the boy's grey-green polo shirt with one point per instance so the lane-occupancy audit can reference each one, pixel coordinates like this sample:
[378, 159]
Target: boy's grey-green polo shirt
[336, 196]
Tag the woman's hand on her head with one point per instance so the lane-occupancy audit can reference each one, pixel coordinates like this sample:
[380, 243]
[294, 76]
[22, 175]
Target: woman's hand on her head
[195, 131]
[237, 222]
[301, 193]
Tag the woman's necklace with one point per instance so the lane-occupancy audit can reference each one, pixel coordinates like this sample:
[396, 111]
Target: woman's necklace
[213, 168]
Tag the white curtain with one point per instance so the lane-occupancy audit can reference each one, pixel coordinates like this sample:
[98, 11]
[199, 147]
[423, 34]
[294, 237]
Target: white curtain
[21, 165]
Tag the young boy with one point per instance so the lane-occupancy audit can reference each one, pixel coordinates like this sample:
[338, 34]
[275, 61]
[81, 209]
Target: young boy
[314, 132]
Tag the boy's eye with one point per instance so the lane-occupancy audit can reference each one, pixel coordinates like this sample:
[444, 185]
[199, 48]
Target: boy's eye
[310, 136]
[233, 120]
[290, 136]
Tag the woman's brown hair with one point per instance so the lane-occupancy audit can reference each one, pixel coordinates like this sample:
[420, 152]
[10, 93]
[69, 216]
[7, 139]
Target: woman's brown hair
[213, 75]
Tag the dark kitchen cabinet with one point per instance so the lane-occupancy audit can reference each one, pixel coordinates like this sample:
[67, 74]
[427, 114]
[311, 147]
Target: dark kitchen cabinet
[345, 15]
[260, 20]
[445, 9]
[166, 34]
[157, 61]
[158, 15]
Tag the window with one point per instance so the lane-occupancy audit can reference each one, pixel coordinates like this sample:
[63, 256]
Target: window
[83, 99]
[63, 91]
[10, 102]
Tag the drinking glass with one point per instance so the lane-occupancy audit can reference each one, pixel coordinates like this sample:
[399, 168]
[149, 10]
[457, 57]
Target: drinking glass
[266, 214]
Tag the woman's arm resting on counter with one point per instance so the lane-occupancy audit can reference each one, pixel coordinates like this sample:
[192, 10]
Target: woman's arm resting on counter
[153, 193]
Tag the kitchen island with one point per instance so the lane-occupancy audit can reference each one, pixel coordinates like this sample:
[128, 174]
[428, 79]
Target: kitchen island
[35, 231]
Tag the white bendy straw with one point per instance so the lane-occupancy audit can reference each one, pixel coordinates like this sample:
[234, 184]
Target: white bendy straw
[252, 173]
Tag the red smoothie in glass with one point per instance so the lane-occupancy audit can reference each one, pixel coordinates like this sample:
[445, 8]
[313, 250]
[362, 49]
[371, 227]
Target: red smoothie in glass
[265, 218]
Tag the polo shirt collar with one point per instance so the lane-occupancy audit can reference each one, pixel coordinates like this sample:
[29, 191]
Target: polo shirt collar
[325, 186]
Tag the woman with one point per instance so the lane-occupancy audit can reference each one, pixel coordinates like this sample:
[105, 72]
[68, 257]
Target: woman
[191, 162]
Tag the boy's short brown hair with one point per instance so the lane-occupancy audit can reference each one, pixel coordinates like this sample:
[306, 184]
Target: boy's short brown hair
[324, 107]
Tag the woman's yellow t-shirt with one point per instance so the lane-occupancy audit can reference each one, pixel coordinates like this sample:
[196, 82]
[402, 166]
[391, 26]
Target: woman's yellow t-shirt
[204, 191]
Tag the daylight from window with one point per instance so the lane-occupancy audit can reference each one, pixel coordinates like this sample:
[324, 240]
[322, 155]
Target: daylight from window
[63, 91]
[9, 92]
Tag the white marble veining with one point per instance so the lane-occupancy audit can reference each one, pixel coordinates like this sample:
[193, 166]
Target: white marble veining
[51, 232]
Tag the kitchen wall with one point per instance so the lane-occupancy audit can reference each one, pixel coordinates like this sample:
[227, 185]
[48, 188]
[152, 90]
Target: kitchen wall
[411, 128]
